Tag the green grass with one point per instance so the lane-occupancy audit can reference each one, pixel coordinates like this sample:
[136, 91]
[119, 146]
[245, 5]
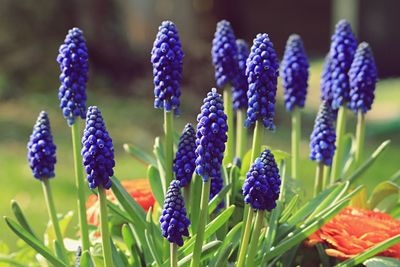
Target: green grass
[133, 120]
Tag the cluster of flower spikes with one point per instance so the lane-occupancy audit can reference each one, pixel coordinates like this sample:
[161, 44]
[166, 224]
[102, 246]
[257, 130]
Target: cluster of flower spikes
[262, 185]
[363, 77]
[215, 187]
[184, 162]
[294, 71]
[211, 136]
[239, 91]
[97, 150]
[343, 47]
[325, 82]
[262, 70]
[174, 222]
[224, 55]
[74, 66]
[323, 137]
[41, 149]
[167, 59]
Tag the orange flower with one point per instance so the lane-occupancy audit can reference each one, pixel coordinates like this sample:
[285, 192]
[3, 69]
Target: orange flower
[355, 230]
[139, 189]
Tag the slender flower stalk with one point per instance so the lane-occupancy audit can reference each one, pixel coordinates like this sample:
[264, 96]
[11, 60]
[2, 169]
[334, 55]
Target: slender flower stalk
[98, 159]
[341, 54]
[254, 238]
[319, 176]
[42, 158]
[224, 58]
[167, 60]
[294, 70]
[363, 77]
[211, 137]
[74, 67]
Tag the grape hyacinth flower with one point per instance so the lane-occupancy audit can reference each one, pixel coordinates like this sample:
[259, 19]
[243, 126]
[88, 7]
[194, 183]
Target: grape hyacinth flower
[224, 55]
[239, 91]
[363, 77]
[322, 143]
[325, 82]
[97, 150]
[262, 72]
[167, 60]
[343, 47]
[294, 71]
[262, 185]
[211, 136]
[74, 66]
[41, 149]
[174, 222]
[184, 163]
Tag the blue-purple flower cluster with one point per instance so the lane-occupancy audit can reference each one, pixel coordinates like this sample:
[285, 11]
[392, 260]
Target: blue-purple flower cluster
[41, 149]
[224, 55]
[184, 163]
[97, 150]
[211, 136]
[74, 66]
[174, 222]
[239, 91]
[294, 71]
[262, 72]
[363, 77]
[167, 60]
[343, 47]
[325, 82]
[323, 137]
[262, 185]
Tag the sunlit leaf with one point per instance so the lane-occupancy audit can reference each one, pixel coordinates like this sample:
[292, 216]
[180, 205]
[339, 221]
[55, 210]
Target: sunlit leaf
[139, 154]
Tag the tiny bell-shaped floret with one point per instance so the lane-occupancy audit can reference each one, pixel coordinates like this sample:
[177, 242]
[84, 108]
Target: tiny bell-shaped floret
[363, 77]
[41, 149]
[323, 137]
[294, 71]
[211, 136]
[224, 55]
[74, 66]
[174, 222]
[262, 72]
[97, 150]
[239, 91]
[262, 185]
[343, 47]
[167, 60]
[184, 162]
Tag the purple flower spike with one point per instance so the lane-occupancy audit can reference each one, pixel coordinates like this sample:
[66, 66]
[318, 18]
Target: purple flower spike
[239, 91]
[184, 163]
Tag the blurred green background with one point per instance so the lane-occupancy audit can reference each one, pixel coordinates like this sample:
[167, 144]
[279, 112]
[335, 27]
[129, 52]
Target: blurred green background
[120, 36]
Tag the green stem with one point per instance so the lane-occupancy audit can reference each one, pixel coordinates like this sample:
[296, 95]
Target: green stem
[241, 138]
[327, 173]
[230, 143]
[340, 131]
[319, 175]
[253, 247]
[282, 168]
[257, 141]
[79, 181]
[169, 143]
[173, 256]
[245, 239]
[53, 215]
[360, 138]
[296, 136]
[205, 194]
[105, 235]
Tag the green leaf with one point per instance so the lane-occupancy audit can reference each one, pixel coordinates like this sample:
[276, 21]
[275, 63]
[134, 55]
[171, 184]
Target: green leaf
[21, 218]
[33, 242]
[210, 229]
[10, 260]
[58, 250]
[156, 184]
[139, 154]
[382, 262]
[154, 231]
[289, 209]
[150, 244]
[129, 241]
[381, 191]
[348, 153]
[368, 163]
[86, 260]
[195, 197]
[158, 151]
[366, 254]
[206, 251]
[232, 240]
[223, 255]
[63, 221]
[280, 155]
[245, 163]
[213, 204]
[116, 257]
